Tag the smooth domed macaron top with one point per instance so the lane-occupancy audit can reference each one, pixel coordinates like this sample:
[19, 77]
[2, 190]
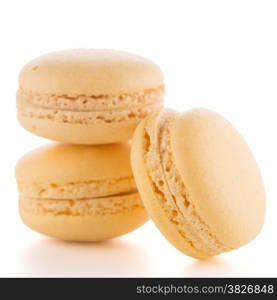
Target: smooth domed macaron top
[65, 163]
[220, 175]
[90, 72]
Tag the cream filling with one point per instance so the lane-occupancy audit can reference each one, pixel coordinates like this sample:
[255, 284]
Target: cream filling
[87, 117]
[81, 189]
[92, 102]
[171, 191]
[81, 207]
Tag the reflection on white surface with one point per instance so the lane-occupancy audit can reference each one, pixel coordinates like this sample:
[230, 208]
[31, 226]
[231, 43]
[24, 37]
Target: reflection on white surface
[143, 253]
[49, 257]
[213, 267]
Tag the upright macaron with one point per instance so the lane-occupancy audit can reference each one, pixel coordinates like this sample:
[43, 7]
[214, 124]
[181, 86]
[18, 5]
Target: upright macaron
[199, 181]
[88, 96]
[78, 192]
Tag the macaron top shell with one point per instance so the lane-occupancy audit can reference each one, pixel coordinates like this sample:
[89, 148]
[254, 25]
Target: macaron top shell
[220, 175]
[66, 163]
[90, 72]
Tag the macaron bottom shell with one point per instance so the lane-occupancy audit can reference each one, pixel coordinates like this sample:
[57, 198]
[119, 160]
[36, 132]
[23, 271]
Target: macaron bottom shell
[85, 134]
[82, 220]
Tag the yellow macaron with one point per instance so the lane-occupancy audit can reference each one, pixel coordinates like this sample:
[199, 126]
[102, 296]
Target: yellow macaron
[79, 192]
[88, 96]
[199, 181]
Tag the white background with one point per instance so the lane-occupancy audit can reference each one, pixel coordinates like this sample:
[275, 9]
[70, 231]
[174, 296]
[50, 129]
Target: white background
[218, 54]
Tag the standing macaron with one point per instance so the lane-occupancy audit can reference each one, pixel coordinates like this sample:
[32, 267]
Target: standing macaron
[78, 192]
[199, 181]
[88, 96]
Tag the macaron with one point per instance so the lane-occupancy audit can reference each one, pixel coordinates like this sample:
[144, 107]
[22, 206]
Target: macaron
[88, 96]
[199, 181]
[79, 192]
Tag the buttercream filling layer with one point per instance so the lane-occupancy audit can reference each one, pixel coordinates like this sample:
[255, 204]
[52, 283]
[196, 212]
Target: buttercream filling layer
[171, 191]
[85, 109]
[81, 189]
[92, 117]
[81, 207]
[92, 102]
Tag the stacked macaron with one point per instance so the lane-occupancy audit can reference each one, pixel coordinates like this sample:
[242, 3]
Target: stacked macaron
[196, 176]
[80, 193]
[83, 190]
[88, 96]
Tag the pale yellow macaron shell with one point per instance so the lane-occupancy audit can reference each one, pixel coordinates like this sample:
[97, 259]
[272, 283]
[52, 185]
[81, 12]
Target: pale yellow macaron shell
[83, 134]
[212, 215]
[221, 175]
[70, 224]
[63, 163]
[88, 96]
[90, 72]
[148, 193]
[82, 193]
